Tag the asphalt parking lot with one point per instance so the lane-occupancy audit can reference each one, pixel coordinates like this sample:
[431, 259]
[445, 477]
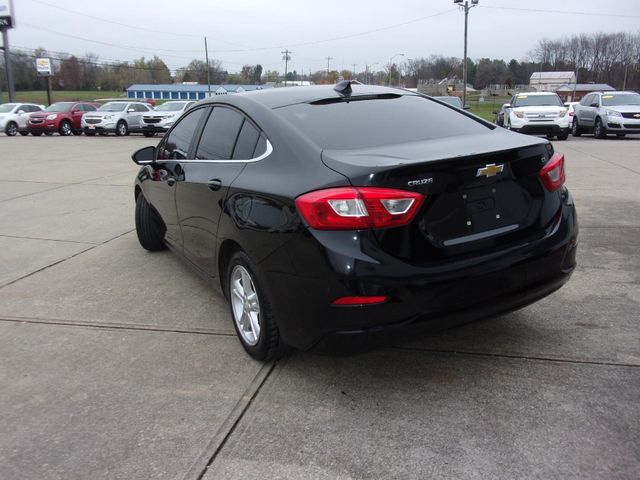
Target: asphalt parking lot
[117, 363]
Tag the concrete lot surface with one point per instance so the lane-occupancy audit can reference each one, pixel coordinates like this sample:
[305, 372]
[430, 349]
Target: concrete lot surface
[116, 363]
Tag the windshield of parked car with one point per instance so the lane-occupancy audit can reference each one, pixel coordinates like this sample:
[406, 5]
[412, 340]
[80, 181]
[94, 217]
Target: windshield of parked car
[170, 107]
[375, 121]
[537, 101]
[59, 107]
[112, 107]
[7, 107]
[621, 99]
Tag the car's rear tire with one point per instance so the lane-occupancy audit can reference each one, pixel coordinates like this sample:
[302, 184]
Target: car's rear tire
[65, 128]
[149, 226]
[563, 136]
[149, 134]
[122, 129]
[76, 132]
[24, 133]
[598, 129]
[90, 134]
[251, 310]
[576, 131]
[36, 134]
[11, 130]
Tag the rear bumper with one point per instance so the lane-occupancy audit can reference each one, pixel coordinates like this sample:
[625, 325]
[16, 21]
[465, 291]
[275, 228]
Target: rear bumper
[429, 297]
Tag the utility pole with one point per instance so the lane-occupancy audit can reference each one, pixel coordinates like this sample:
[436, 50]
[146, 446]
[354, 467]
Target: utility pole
[466, 7]
[328, 60]
[391, 65]
[286, 58]
[7, 65]
[206, 54]
[354, 72]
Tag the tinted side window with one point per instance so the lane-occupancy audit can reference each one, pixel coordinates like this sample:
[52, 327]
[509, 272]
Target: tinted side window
[219, 134]
[87, 108]
[261, 147]
[140, 108]
[246, 143]
[34, 108]
[176, 145]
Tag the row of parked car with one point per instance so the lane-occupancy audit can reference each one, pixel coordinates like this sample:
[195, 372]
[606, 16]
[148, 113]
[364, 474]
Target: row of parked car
[74, 118]
[544, 113]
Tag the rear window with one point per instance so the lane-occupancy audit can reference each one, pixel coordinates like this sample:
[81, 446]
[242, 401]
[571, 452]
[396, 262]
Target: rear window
[377, 122]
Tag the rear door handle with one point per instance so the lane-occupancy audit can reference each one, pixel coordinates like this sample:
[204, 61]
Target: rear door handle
[214, 184]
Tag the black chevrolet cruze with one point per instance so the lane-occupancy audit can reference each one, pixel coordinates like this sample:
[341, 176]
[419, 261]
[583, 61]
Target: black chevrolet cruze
[338, 213]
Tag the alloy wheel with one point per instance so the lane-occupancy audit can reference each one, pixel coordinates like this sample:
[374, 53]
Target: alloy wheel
[12, 129]
[65, 129]
[245, 305]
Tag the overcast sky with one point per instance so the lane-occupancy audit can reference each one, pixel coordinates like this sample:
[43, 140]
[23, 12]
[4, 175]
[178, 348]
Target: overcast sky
[312, 30]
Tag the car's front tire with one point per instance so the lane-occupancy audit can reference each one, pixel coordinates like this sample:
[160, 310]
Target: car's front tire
[149, 226]
[251, 310]
[149, 134]
[11, 130]
[564, 136]
[90, 134]
[24, 133]
[576, 131]
[598, 129]
[36, 134]
[121, 128]
[65, 129]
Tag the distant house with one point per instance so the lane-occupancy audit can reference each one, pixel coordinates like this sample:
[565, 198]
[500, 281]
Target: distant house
[575, 92]
[187, 91]
[551, 81]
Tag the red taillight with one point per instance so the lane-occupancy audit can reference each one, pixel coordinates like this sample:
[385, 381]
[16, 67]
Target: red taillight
[357, 208]
[552, 174]
[360, 300]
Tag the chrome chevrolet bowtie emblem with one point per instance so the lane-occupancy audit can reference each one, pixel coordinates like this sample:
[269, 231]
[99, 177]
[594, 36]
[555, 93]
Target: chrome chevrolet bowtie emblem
[490, 170]
[637, 115]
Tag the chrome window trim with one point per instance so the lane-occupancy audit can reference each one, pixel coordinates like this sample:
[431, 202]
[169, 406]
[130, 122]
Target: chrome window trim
[266, 153]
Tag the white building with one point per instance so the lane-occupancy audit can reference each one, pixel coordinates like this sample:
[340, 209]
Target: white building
[551, 81]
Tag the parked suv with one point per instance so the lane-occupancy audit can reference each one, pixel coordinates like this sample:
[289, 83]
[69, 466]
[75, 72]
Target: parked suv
[538, 113]
[14, 116]
[61, 117]
[163, 117]
[120, 118]
[608, 112]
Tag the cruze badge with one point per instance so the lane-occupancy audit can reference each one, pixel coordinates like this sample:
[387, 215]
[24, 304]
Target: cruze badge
[490, 170]
[422, 181]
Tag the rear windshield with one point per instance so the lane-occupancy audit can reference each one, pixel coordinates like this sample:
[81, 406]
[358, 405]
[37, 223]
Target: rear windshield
[170, 107]
[375, 122]
[610, 100]
[59, 107]
[112, 107]
[537, 101]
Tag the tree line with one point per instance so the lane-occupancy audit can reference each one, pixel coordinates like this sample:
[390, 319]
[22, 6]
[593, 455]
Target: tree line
[598, 57]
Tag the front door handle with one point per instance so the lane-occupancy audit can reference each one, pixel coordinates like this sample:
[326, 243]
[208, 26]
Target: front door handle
[171, 181]
[214, 184]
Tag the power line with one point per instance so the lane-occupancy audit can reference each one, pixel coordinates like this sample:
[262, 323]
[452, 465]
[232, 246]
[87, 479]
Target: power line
[134, 27]
[538, 10]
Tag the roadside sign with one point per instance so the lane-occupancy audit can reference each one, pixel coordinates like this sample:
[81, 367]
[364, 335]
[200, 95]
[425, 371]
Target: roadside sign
[6, 14]
[43, 67]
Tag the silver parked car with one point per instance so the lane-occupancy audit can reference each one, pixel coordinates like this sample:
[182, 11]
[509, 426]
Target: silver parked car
[120, 118]
[14, 116]
[606, 113]
[163, 117]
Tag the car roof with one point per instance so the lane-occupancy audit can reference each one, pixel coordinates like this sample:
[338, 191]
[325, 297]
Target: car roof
[280, 97]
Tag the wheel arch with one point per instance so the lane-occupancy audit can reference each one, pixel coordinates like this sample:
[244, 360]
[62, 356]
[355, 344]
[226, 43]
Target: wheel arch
[226, 250]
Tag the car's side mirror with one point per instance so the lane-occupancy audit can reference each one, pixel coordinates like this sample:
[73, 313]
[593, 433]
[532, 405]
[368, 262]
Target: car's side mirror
[20, 112]
[75, 110]
[131, 110]
[506, 105]
[144, 156]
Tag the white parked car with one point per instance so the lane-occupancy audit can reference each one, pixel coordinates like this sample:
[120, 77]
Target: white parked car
[538, 113]
[14, 116]
[120, 118]
[163, 117]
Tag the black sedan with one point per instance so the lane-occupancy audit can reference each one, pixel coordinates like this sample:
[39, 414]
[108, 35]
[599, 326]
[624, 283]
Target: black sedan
[326, 213]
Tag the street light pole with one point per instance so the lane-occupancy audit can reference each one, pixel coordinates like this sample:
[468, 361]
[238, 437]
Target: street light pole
[466, 7]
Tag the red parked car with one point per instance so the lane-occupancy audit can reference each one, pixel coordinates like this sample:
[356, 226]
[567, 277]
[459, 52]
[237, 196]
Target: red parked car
[61, 117]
